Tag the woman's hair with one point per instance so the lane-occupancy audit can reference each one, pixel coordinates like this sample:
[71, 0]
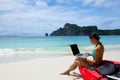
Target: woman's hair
[95, 36]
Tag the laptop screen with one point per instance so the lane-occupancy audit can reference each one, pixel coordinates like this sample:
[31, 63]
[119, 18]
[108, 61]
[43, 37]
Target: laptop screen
[74, 49]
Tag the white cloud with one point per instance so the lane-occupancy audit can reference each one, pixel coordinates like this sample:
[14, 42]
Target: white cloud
[111, 22]
[101, 3]
[36, 16]
[41, 4]
[10, 5]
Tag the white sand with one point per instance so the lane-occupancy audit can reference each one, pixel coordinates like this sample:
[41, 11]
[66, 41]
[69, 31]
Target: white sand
[44, 68]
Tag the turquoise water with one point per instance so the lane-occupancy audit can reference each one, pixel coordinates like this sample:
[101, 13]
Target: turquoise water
[43, 43]
[53, 43]
[49, 45]
[37, 42]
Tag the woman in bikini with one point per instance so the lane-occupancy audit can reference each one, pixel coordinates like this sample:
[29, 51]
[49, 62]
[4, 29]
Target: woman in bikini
[97, 54]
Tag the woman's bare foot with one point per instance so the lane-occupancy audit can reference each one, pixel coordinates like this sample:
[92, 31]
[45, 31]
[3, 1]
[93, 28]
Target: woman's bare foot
[65, 73]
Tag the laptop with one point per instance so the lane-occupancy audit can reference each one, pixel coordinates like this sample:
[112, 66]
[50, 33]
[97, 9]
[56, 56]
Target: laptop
[76, 52]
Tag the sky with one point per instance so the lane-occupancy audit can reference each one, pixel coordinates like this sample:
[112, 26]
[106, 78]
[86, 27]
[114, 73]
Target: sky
[45, 16]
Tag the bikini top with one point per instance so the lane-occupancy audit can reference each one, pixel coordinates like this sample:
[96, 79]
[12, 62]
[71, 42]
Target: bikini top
[93, 53]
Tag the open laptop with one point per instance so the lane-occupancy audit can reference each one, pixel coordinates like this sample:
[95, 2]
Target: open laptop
[76, 51]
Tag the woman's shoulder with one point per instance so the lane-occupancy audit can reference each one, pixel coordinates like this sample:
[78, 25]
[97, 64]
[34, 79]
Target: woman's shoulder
[99, 47]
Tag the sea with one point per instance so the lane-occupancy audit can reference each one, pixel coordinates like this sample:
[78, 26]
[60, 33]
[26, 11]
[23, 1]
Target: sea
[14, 49]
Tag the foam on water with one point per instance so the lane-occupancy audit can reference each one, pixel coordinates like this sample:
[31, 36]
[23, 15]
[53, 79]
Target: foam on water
[17, 48]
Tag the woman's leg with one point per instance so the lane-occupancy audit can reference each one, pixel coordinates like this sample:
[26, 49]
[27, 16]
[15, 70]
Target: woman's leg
[77, 62]
[72, 67]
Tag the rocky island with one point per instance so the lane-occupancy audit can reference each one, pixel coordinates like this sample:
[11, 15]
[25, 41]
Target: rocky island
[75, 30]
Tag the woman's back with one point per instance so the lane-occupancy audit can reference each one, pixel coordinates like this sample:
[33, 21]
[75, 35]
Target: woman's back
[98, 54]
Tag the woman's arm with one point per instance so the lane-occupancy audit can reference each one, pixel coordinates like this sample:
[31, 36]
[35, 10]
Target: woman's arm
[95, 60]
[87, 53]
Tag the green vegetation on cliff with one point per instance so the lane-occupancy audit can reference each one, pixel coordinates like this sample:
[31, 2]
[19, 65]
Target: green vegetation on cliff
[75, 30]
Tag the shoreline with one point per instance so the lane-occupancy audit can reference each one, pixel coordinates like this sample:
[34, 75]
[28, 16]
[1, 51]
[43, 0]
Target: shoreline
[45, 68]
[67, 50]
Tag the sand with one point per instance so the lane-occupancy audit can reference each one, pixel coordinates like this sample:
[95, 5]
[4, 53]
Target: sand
[45, 68]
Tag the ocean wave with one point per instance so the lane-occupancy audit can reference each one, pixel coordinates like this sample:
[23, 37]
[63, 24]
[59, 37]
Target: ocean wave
[107, 47]
[15, 51]
[112, 46]
[7, 51]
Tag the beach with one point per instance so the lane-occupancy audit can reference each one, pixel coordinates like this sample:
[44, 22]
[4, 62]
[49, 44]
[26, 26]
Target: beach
[36, 36]
[45, 68]
[44, 58]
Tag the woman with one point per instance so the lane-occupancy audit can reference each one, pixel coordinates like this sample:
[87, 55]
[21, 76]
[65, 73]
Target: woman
[97, 54]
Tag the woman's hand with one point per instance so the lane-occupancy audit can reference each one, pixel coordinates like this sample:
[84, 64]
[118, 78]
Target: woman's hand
[88, 54]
